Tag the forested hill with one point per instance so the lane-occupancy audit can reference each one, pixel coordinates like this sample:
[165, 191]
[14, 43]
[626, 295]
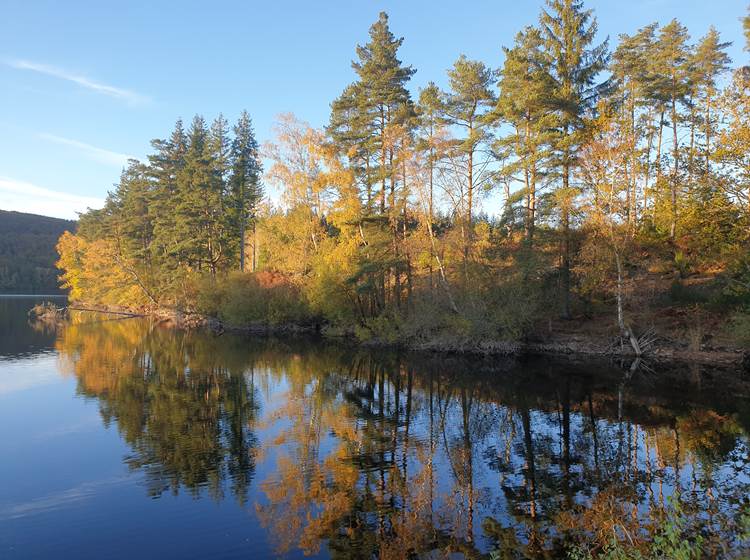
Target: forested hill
[28, 254]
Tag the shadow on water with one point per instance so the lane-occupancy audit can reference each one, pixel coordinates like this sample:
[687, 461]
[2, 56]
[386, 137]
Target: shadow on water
[380, 454]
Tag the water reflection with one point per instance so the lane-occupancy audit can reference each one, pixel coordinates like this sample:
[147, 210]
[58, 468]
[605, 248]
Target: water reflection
[17, 340]
[371, 454]
[183, 404]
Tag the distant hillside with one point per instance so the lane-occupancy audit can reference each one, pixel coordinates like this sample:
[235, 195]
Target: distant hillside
[27, 252]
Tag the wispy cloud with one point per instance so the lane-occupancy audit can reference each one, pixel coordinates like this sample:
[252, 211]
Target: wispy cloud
[27, 197]
[98, 87]
[97, 154]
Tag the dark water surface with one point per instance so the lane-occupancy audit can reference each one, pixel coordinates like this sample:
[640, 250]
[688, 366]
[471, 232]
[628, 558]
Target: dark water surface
[121, 439]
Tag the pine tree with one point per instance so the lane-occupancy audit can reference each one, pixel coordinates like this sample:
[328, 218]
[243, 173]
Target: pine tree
[198, 208]
[132, 198]
[220, 147]
[164, 167]
[377, 101]
[429, 111]
[467, 106]
[131, 225]
[632, 92]
[246, 190]
[708, 63]
[673, 54]
[525, 89]
[569, 32]
[351, 132]
[374, 118]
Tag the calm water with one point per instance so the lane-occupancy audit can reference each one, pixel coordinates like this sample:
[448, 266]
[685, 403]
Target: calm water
[121, 439]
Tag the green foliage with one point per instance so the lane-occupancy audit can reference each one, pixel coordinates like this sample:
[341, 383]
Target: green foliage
[610, 184]
[250, 299]
[736, 291]
[182, 213]
[245, 190]
[673, 538]
[385, 328]
[739, 327]
[680, 293]
[27, 252]
[682, 264]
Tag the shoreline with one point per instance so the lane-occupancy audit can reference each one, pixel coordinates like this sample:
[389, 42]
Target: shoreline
[563, 344]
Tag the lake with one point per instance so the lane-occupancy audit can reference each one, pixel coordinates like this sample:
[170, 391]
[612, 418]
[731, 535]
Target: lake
[124, 439]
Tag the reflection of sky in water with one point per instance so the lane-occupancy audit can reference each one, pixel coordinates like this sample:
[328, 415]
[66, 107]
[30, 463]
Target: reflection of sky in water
[107, 450]
[19, 374]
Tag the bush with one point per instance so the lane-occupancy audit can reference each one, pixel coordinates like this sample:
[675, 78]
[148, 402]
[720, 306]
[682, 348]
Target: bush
[683, 264]
[737, 283]
[383, 328]
[674, 537]
[739, 327]
[680, 293]
[244, 299]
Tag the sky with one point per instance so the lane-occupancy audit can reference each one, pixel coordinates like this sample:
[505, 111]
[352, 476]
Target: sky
[85, 85]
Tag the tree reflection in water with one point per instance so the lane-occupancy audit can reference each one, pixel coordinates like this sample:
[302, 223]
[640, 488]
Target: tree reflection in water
[372, 454]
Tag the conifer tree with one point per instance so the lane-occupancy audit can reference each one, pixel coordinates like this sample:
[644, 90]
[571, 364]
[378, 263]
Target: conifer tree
[673, 58]
[631, 69]
[131, 225]
[569, 32]
[246, 190]
[370, 114]
[429, 110]
[375, 102]
[351, 132]
[525, 89]
[196, 199]
[708, 63]
[164, 167]
[131, 199]
[467, 107]
[220, 147]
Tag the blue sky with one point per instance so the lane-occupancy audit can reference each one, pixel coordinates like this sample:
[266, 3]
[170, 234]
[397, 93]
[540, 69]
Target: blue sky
[86, 84]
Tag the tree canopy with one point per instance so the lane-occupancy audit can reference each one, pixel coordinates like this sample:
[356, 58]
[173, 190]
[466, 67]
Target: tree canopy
[615, 167]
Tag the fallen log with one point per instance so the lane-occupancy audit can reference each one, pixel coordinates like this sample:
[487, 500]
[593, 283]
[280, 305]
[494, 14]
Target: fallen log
[125, 313]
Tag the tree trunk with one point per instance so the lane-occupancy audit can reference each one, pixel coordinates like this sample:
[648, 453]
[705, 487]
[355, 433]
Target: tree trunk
[625, 330]
[658, 145]
[708, 136]
[443, 277]
[255, 248]
[469, 201]
[647, 178]
[532, 203]
[430, 209]
[565, 272]
[673, 185]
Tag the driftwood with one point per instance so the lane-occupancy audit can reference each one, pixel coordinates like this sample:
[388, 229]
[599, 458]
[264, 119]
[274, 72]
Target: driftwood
[48, 312]
[124, 313]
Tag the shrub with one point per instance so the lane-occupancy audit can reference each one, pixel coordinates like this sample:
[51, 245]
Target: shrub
[679, 293]
[243, 299]
[739, 327]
